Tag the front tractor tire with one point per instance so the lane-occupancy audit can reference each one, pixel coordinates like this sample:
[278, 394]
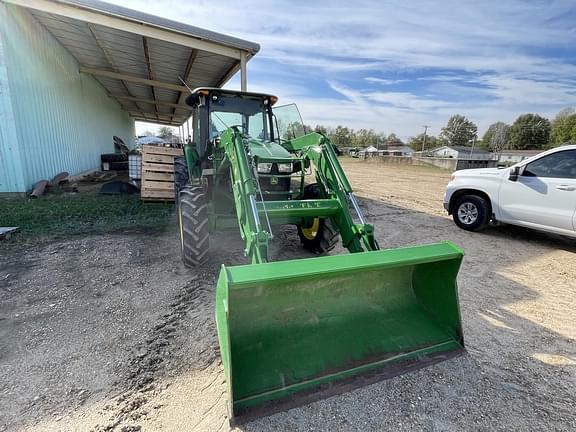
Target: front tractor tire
[193, 223]
[317, 234]
[471, 212]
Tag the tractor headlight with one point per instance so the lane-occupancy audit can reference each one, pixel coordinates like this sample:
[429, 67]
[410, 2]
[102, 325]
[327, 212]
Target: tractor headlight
[285, 168]
[264, 167]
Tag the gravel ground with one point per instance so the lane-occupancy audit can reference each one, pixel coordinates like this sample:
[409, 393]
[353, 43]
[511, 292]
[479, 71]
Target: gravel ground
[112, 333]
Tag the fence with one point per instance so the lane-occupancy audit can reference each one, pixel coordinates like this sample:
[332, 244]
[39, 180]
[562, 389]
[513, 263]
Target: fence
[449, 164]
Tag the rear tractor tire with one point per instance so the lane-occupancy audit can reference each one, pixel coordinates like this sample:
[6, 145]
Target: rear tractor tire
[471, 212]
[193, 223]
[180, 175]
[317, 234]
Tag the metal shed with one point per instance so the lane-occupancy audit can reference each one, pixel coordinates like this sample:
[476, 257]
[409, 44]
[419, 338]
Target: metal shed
[73, 73]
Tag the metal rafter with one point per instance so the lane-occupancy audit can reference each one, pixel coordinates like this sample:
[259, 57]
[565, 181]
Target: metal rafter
[150, 74]
[152, 102]
[137, 117]
[108, 58]
[160, 116]
[132, 78]
[228, 74]
[186, 77]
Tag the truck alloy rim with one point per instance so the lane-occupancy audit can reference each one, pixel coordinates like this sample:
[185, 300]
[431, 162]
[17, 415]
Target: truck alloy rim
[467, 213]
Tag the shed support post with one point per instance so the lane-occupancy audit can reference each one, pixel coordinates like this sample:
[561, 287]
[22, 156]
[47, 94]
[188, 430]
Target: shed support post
[243, 78]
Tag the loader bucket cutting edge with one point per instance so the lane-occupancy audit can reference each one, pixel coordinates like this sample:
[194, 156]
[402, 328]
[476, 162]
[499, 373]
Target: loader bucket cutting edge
[307, 326]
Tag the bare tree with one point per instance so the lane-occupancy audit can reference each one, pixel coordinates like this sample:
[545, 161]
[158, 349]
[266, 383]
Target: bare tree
[497, 137]
[459, 131]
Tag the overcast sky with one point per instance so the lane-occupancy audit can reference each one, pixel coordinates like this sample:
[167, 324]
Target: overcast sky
[395, 65]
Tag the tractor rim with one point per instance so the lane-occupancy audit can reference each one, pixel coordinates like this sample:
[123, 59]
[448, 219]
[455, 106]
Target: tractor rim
[311, 232]
[468, 213]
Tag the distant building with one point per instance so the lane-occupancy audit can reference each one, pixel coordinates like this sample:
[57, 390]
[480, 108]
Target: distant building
[347, 150]
[461, 152]
[368, 152]
[397, 150]
[390, 150]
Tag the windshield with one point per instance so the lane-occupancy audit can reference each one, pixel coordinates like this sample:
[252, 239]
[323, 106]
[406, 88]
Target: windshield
[289, 122]
[248, 114]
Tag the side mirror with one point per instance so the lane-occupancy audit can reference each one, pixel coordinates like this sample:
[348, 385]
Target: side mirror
[514, 173]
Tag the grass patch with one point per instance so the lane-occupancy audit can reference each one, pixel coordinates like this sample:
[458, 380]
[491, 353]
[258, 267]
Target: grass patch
[85, 213]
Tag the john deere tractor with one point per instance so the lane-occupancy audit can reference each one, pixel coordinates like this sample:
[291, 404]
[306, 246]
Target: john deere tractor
[293, 331]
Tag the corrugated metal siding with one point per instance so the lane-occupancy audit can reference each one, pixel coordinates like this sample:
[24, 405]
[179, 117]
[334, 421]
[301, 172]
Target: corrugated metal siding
[64, 119]
[11, 178]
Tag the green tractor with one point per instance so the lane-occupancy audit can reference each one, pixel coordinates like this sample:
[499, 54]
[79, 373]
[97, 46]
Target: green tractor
[294, 331]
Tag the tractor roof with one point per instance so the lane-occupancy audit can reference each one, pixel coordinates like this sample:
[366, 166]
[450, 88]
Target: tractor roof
[193, 98]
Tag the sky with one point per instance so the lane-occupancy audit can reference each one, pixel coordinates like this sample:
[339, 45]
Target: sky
[395, 66]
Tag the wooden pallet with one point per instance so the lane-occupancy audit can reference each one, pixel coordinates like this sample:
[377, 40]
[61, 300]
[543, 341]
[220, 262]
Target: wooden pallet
[158, 173]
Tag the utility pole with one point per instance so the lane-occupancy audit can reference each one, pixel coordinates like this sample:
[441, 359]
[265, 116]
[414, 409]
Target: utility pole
[424, 141]
[473, 144]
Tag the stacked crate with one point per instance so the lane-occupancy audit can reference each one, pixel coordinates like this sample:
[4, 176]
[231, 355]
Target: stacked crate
[158, 173]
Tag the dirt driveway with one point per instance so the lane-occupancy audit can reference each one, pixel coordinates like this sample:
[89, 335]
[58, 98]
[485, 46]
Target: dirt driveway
[113, 333]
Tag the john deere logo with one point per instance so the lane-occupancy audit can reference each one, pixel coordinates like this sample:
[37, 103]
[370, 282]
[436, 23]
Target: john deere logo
[274, 180]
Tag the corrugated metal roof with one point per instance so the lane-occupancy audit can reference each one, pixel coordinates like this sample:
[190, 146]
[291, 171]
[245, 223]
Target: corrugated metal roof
[138, 67]
[187, 29]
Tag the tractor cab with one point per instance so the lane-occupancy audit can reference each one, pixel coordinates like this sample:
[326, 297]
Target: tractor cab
[214, 110]
[266, 131]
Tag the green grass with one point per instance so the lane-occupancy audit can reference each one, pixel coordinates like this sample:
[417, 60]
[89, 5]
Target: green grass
[85, 213]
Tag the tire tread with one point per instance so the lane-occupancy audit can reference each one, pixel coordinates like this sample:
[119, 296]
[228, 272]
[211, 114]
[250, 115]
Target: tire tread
[193, 215]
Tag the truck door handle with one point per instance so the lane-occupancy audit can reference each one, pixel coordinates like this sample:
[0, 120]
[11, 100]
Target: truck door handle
[566, 187]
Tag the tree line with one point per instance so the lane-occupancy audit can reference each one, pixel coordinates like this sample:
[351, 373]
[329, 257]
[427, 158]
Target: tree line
[343, 136]
[528, 132]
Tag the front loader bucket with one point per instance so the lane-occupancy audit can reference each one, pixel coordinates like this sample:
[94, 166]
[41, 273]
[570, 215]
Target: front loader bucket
[293, 331]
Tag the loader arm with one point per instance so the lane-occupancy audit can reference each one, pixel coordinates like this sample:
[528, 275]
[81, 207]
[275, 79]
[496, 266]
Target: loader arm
[329, 173]
[245, 190]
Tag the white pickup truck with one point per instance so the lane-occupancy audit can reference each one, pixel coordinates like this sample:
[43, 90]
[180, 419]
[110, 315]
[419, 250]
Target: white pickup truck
[539, 193]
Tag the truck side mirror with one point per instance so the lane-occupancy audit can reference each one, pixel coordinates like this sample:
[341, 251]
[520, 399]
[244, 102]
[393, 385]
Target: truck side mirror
[514, 173]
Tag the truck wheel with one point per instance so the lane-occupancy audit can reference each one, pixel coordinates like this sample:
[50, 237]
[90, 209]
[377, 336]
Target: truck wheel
[180, 175]
[471, 212]
[317, 234]
[193, 222]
